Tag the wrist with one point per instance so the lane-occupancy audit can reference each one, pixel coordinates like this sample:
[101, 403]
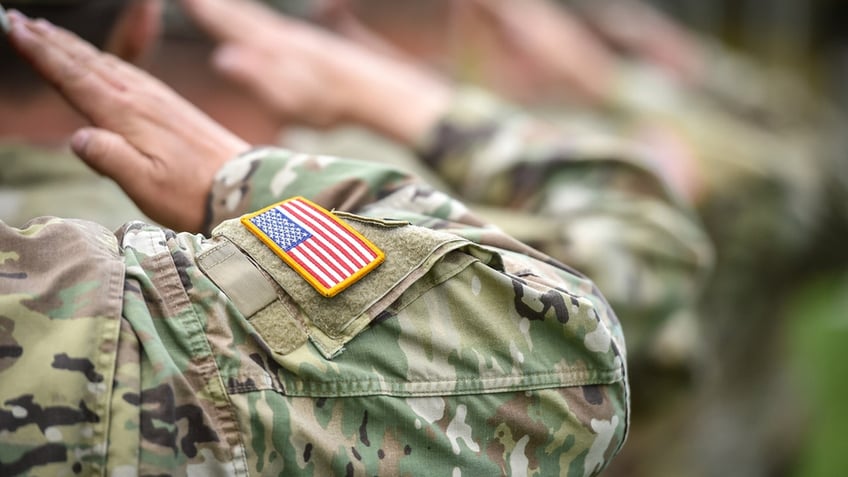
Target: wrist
[230, 194]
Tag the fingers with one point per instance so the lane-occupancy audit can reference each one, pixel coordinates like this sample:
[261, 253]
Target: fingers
[242, 21]
[259, 74]
[87, 78]
[55, 60]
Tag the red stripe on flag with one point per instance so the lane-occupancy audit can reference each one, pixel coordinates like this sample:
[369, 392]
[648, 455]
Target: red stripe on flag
[306, 266]
[332, 226]
[330, 267]
[329, 240]
[341, 257]
[317, 267]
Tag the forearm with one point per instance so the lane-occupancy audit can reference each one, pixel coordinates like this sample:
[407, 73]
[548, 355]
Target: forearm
[264, 176]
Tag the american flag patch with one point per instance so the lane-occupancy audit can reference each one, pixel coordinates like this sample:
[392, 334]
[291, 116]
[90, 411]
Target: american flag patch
[326, 252]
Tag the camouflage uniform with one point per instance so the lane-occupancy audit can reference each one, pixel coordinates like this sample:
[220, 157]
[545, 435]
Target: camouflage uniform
[37, 181]
[785, 190]
[592, 201]
[149, 352]
[578, 192]
[767, 176]
[772, 202]
[572, 190]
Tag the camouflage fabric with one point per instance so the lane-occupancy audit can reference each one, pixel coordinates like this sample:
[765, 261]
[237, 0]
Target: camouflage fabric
[148, 352]
[591, 201]
[582, 194]
[772, 204]
[40, 181]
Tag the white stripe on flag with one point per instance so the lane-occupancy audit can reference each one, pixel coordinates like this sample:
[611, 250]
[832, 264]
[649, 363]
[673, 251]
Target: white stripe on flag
[313, 251]
[322, 240]
[329, 259]
[329, 240]
[339, 231]
[311, 268]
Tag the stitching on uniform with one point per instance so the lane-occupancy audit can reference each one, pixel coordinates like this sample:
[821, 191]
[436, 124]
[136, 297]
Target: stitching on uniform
[203, 256]
[208, 366]
[376, 387]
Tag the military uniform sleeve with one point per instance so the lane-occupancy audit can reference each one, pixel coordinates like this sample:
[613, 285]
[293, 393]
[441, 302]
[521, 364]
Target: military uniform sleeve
[465, 351]
[768, 155]
[590, 199]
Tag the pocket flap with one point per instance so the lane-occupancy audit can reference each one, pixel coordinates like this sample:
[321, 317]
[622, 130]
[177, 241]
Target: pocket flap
[410, 251]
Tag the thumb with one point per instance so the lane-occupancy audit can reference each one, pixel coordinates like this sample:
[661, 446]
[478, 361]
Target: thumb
[143, 179]
[111, 155]
[108, 153]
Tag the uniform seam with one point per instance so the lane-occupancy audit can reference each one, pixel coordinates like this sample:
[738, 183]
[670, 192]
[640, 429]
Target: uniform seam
[400, 388]
[208, 370]
[114, 328]
[573, 374]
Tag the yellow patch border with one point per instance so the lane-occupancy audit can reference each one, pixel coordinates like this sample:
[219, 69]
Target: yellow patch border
[327, 292]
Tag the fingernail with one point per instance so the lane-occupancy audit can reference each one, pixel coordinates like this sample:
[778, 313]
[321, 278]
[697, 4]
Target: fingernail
[225, 58]
[79, 141]
[17, 27]
[16, 22]
[15, 16]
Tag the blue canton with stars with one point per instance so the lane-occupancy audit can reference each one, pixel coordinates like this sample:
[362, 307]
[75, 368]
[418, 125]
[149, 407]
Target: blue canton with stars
[279, 228]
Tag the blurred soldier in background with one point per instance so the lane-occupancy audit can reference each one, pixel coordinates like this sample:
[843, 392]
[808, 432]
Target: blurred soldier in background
[761, 157]
[771, 158]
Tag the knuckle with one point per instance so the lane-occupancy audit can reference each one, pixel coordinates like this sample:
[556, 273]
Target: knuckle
[73, 73]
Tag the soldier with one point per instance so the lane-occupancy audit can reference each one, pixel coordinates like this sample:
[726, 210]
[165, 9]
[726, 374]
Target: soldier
[154, 352]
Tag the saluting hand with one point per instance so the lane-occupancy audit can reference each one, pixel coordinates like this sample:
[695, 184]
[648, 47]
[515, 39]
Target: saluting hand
[158, 147]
